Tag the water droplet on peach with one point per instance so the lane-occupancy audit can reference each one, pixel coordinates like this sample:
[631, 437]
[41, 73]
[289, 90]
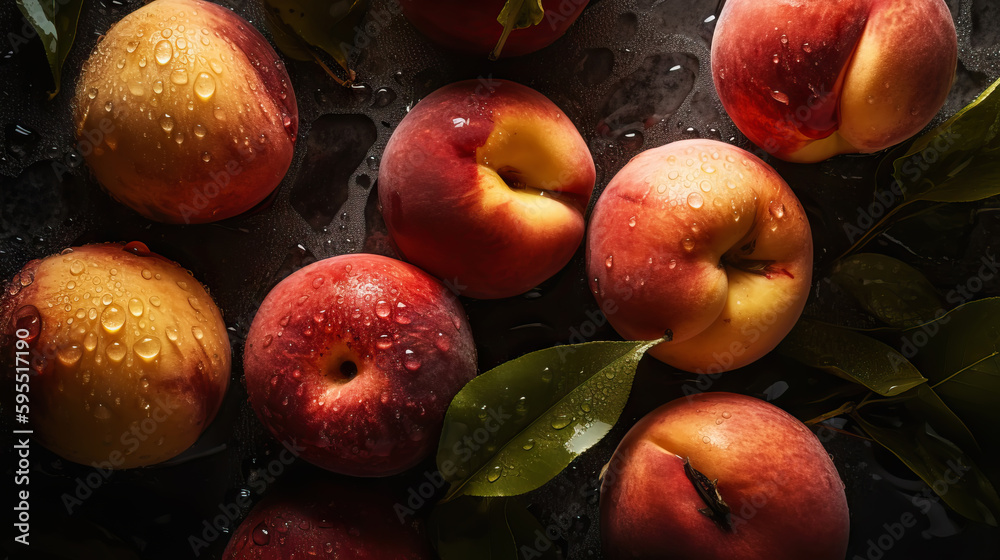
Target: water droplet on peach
[695, 200]
[135, 307]
[113, 317]
[609, 262]
[147, 348]
[688, 244]
[204, 86]
[776, 209]
[631, 222]
[115, 351]
[163, 52]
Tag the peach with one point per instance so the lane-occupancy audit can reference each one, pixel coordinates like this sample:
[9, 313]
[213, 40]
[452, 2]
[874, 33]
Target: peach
[126, 355]
[327, 519]
[484, 185]
[706, 241]
[474, 28]
[810, 80]
[355, 359]
[722, 476]
[185, 113]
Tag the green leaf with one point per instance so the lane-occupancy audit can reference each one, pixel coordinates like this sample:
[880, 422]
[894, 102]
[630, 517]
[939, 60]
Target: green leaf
[515, 427]
[55, 23]
[945, 467]
[517, 14]
[852, 356]
[300, 26]
[891, 290]
[958, 161]
[494, 528]
[960, 353]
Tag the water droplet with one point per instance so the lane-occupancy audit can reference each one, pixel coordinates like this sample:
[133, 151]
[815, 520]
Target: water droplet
[776, 59]
[784, 39]
[609, 262]
[494, 475]
[261, 536]
[113, 317]
[90, 341]
[166, 123]
[108, 106]
[147, 348]
[411, 362]
[101, 412]
[807, 47]
[179, 76]
[688, 244]
[163, 52]
[779, 97]
[726, 415]
[707, 168]
[561, 422]
[695, 200]
[197, 332]
[70, 354]
[529, 445]
[115, 351]
[631, 222]
[219, 114]
[216, 67]
[135, 307]
[776, 209]
[204, 86]
[267, 341]
[382, 308]
[706, 439]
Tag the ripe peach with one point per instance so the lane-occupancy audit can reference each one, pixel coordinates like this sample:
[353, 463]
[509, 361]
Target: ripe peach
[355, 359]
[472, 27]
[722, 476]
[485, 186]
[129, 356]
[810, 80]
[327, 519]
[704, 240]
[185, 112]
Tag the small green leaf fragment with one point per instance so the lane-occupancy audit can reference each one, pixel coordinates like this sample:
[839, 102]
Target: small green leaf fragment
[852, 356]
[55, 23]
[891, 290]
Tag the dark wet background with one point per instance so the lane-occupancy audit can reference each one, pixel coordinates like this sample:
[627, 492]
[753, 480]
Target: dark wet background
[632, 74]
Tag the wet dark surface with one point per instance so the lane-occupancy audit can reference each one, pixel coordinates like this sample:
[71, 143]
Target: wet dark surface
[614, 75]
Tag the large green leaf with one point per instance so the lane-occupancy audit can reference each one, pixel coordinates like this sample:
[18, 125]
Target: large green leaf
[949, 470]
[891, 290]
[299, 26]
[852, 356]
[958, 161]
[55, 23]
[960, 354]
[513, 428]
[494, 528]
